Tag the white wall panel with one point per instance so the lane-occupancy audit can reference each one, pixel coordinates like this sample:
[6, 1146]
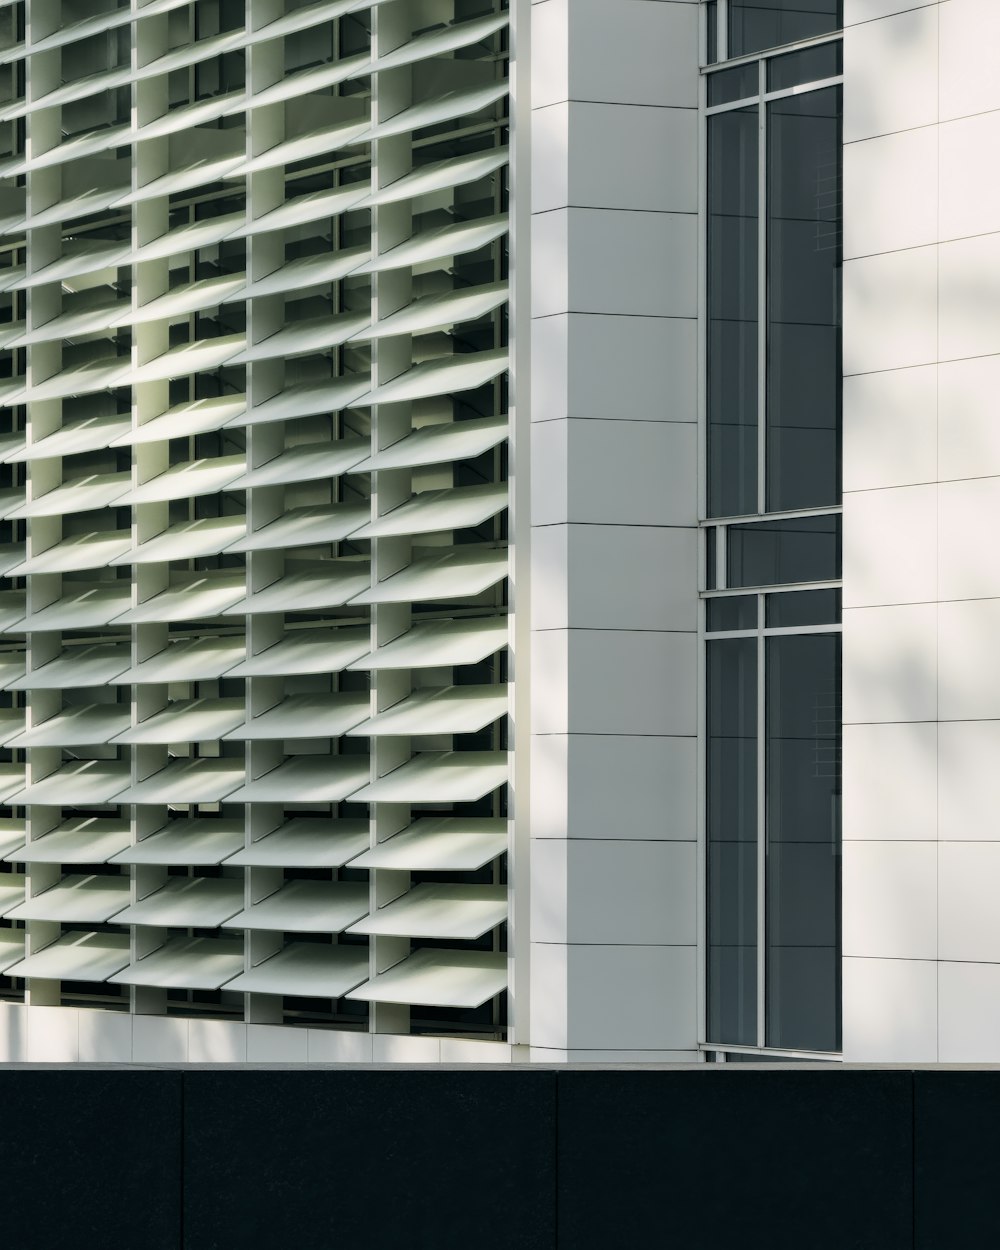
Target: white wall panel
[614, 368]
[890, 547]
[968, 660]
[970, 185]
[890, 1010]
[618, 786]
[887, 178]
[920, 679]
[890, 900]
[875, 811]
[969, 34]
[968, 570]
[580, 577]
[890, 666]
[969, 317]
[968, 432]
[894, 66]
[968, 781]
[890, 310]
[969, 1006]
[891, 427]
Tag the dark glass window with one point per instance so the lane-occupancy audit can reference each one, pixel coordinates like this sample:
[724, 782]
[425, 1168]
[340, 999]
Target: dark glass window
[804, 298]
[803, 841]
[738, 83]
[712, 15]
[711, 558]
[777, 553]
[732, 841]
[809, 65]
[802, 607]
[758, 24]
[732, 312]
[731, 612]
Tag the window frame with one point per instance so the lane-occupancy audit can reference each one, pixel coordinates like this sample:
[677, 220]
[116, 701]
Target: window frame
[713, 529]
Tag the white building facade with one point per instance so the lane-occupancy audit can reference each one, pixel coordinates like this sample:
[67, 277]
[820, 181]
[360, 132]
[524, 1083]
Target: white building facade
[498, 562]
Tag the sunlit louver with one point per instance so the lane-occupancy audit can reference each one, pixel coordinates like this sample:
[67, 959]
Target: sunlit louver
[254, 281]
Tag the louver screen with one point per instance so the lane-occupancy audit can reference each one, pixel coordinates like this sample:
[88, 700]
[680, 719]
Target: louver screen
[253, 290]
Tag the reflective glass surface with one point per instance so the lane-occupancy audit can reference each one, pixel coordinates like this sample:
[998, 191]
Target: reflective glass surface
[712, 18]
[711, 556]
[802, 607]
[731, 612]
[733, 84]
[803, 745]
[732, 841]
[758, 24]
[732, 312]
[776, 553]
[804, 300]
[809, 65]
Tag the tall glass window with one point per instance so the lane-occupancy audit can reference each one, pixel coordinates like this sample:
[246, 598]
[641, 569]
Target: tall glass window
[733, 327]
[803, 300]
[772, 335]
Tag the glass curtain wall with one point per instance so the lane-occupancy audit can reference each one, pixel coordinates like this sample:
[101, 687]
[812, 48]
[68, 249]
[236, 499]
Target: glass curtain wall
[772, 493]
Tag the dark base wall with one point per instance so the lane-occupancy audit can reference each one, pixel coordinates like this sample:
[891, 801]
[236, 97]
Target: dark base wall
[523, 1159]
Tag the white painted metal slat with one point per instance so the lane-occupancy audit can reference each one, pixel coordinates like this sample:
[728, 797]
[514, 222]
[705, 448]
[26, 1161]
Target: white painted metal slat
[306, 907]
[439, 978]
[76, 956]
[187, 963]
[444, 844]
[458, 913]
[306, 842]
[307, 969]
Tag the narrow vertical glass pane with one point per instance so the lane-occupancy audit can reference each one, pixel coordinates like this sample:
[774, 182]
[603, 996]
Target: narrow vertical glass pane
[712, 37]
[732, 312]
[804, 300]
[732, 841]
[803, 842]
[711, 561]
[758, 24]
